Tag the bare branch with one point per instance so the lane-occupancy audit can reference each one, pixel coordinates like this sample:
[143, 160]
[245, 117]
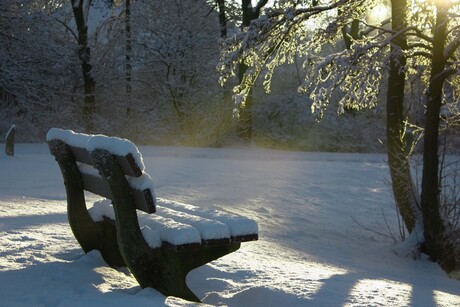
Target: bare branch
[380, 28]
[418, 33]
[420, 53]
[451, 48]
[445, 73]
[68, 28]
[420, 45]
[390, 236]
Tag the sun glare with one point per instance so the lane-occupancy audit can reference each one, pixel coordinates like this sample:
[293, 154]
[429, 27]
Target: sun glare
[378, 292]
[442, 2]
[379, 13]
[444, 299]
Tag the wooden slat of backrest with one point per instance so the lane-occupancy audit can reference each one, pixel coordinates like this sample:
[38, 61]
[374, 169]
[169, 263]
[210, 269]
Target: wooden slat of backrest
[81, 155]
[127, 163]
[143, 199]
[96, 185]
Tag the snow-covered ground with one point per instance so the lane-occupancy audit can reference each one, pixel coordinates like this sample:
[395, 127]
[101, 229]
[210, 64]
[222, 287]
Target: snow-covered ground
[314, 249]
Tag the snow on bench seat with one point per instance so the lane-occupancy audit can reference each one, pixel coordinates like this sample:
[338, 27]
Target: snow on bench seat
[155, 229]
[185, 226]
[240, 227]
[212, 232]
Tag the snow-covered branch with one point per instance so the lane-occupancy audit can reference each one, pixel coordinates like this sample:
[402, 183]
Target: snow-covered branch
[278, 38]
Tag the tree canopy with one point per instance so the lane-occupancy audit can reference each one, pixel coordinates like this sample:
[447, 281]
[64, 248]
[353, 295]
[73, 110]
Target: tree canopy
[292, 29]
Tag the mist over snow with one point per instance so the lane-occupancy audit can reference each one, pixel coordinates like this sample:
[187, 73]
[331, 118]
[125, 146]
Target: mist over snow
[312, 210]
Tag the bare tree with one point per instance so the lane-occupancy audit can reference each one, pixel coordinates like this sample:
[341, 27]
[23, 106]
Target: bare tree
[438, 240]
[80, 10]
[404, 190]
[36, 68]
[245, 118]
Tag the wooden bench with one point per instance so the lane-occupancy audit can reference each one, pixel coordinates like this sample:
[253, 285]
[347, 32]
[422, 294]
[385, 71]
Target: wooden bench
[159, 249]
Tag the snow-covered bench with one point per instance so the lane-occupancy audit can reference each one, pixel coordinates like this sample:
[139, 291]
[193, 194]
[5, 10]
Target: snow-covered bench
[159, 249]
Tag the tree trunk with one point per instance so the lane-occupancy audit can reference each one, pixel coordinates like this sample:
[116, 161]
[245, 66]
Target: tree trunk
[9, 140]
[350, 33]
[438, 244]
[84, 53]
[227, 123]
[404, 190]
[128, 49]
[244, 128]
[222, 18]
[245, 122]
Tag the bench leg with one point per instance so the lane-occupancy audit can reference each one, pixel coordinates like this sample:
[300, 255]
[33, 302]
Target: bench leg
[91, 235]
[162, 269]
[166, 270]
[106, 242]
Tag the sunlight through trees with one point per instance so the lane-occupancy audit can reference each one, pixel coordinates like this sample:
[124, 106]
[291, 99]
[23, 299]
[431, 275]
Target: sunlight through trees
[420, 48]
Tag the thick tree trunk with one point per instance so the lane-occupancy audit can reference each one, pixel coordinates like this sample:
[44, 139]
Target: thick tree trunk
[438, 244]
[404, 190]
[84, 53]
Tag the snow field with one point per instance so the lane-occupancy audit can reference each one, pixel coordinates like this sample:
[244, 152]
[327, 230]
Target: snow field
[311, 252]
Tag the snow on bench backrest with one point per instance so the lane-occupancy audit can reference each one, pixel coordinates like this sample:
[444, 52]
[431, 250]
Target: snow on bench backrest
[81, 144]
[127, 155]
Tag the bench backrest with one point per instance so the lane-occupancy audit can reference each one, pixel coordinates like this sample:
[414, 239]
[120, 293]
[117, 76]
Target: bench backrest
[125, 153]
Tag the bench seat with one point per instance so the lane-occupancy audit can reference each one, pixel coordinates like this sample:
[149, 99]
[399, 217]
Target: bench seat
[182, 226]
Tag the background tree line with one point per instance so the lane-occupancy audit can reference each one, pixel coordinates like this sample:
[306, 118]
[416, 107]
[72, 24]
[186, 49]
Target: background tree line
[150, 66]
